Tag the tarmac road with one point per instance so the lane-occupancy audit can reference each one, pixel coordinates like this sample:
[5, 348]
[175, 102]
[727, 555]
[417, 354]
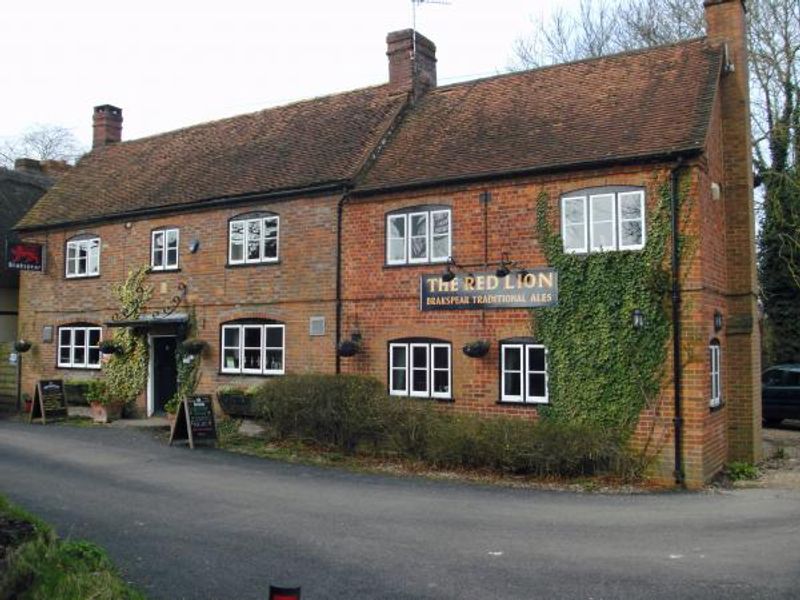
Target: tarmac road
[207, 524]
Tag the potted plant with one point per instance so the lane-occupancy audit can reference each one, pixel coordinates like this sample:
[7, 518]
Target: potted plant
[22, 345]
[476, 349]
[102, 408]
[348, 348]
[193, 346]
[109, 347]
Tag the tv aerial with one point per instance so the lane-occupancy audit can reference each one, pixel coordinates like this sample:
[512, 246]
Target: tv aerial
[414, 17]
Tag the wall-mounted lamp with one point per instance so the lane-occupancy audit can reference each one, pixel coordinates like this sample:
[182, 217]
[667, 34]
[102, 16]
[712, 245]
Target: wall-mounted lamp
[448, 274]
[194, 246]
[637, 318]
[717, 320]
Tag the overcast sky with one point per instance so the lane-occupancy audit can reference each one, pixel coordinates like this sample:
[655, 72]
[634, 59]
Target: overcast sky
[174, 63]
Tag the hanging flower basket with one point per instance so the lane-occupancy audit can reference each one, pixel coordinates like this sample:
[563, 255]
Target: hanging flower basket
[193, 346]
[348, 348]
[109, 347]
[22, 345]
[476, 349]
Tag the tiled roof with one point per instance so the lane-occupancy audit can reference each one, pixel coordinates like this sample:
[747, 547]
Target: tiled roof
[301, 145]
[635, 104]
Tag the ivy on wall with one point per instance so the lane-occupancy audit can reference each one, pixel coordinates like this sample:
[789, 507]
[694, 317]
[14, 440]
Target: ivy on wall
[126, 371]
[188, 368]
[602, 370]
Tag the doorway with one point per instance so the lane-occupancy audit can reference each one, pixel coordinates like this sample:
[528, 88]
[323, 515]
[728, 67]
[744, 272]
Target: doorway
[163, 372]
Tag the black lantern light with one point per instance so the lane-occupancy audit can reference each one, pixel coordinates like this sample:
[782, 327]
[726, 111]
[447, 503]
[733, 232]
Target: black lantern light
[637, 317]
[717, 320]
[448, 274]
[505, 266]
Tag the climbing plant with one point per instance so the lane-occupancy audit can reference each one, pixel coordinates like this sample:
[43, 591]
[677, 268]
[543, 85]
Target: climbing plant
[602, 369]
[126, 371]
[188, 368]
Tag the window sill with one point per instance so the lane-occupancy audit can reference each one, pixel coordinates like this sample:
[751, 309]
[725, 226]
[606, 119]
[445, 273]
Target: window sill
[423, 398]
[64, 368]
[252, 264]
[528, 405]
[80, 277]
[419, 264]
[153, 271]
[262, 375]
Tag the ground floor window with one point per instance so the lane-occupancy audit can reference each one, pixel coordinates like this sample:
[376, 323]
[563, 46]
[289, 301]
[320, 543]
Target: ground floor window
[716, 380]
[79, 347]
[523, 373]
[253, 348]
[420, 368]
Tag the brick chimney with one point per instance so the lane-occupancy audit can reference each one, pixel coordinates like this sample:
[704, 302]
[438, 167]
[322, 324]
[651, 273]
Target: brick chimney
[107, 123]
[28, 165]
[726, 28]
[408, 72]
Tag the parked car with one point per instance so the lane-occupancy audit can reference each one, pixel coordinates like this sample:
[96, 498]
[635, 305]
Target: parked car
[780, 393]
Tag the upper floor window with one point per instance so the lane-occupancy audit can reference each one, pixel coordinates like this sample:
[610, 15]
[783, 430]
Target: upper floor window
[79, 347]
[164, 249]
[420, 235]
[603, 219]
[716, 378]
[253, 238]
[253, 348]
[523, 372]
[420, 368]
[83, 257]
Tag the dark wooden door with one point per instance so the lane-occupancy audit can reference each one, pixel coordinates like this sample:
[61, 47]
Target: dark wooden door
[165, 372]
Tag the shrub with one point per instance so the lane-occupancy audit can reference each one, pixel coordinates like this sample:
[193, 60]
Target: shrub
[97, 391]
[739, 471]
[350, 413]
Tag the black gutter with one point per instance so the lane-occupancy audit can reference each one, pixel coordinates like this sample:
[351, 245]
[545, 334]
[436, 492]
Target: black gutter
[339, 220]
[199, 205]
[671, 155]
[676, 324]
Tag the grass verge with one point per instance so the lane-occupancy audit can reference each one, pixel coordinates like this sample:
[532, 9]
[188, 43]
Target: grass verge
[36, 565]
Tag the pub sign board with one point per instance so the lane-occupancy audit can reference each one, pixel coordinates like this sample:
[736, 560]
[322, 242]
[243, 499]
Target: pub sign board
[194, 421]
[49, 401]
[24, 256]
[477, 291]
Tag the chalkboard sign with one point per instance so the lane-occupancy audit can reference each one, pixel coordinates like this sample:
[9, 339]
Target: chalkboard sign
[194, 421]
[49, 401]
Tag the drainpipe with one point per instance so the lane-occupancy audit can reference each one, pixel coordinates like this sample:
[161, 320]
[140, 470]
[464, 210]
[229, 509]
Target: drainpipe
[339, 219]
[676, 324]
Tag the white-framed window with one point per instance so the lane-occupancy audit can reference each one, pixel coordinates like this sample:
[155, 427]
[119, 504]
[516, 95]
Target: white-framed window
[716, 378]
[523, 373]
[419, 236]
[79, 347]
[603, 220]
[164, 249]
[253, 240]
[83, 257]
[420, 369]
[253, 349]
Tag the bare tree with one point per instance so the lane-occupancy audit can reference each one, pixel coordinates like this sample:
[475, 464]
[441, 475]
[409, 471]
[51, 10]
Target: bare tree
[42, 142]
[774, 52]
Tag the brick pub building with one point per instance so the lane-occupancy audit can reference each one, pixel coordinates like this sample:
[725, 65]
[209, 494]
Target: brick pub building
[301, 227]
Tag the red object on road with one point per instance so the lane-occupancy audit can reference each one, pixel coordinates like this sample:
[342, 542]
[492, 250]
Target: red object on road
[279, 593]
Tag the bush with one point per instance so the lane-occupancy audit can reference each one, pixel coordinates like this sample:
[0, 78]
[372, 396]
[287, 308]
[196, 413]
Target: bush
[352, 413]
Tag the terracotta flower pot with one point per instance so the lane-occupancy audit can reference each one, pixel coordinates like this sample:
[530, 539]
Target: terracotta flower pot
[105, 413]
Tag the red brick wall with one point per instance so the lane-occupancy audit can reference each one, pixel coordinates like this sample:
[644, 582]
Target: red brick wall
[301, 285]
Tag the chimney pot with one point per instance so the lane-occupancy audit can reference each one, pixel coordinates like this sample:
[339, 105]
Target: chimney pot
[27, 165]
[107, 125]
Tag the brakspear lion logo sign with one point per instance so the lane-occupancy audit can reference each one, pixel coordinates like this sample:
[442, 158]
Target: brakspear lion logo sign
[476, 291]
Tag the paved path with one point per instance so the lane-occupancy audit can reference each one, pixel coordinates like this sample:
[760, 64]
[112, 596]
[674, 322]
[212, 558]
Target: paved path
[206, 524]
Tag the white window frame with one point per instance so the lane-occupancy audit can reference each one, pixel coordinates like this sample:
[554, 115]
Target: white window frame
[715, 356]
[408, 389]
[617, 220]
[407, 218]
[620, 220]
[242, 370]
[262, 222]
[71, 363]
[582, 199]
[613, 222]
[87, 245]
[165, 264]
[524, 397]
[392, 390]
